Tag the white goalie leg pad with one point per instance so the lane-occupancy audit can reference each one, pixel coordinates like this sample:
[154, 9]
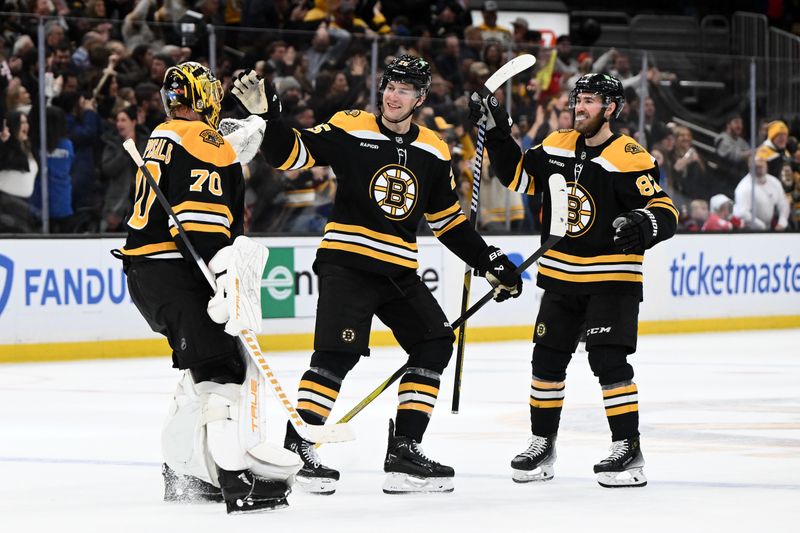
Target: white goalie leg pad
[234, 427]
[183, 437]
[244, 135]
[243, 293]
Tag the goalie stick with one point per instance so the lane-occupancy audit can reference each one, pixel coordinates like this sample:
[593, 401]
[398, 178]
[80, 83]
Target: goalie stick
[503, 74]
[328, 433]
[558, 228]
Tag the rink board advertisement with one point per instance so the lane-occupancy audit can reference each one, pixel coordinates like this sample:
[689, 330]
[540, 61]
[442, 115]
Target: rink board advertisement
[61, 291]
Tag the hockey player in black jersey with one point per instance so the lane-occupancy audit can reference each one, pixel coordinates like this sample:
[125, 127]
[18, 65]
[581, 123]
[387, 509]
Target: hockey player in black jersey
[205, 450]
[390, 174]
[594, 275]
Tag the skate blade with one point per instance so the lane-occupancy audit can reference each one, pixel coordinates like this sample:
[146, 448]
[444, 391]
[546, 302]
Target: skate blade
[322, 486]
[631, 478]
[541, 473]
[397, 483]
[245, 507]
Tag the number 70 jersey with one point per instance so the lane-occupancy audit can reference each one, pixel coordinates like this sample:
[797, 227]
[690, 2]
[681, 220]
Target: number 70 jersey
[199, 173]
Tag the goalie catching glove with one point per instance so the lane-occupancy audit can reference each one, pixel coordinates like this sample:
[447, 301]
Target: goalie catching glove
[256, 95]
[635, 231]
[500, 272]
[483, 106]
[237, 300]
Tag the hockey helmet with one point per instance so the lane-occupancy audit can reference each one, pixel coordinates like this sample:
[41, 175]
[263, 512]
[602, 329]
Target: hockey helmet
[193, 85]
[408, 69]
[609, 87]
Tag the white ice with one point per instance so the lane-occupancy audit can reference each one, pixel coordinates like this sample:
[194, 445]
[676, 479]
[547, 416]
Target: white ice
[79, 446]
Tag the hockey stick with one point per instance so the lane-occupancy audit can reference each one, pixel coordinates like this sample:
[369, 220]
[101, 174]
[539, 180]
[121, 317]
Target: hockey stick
[329, 433]
[503, 74]
[558, 228]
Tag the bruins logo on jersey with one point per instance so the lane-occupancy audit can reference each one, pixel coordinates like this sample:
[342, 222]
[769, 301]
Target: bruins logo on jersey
[633, 148]
[353, 112]
[581, 210]
[394, 188]
[212, 137]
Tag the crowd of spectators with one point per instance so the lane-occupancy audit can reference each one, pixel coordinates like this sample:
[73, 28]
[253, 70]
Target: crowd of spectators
[105, 61]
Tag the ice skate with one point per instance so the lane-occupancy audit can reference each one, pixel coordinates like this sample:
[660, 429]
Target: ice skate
[408, 470]
[314, 477]
[245, 492]
[187, 489]
[535, 463]
[623, 467]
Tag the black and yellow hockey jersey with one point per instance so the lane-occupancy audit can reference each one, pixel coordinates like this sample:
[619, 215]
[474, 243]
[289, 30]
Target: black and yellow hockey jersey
[602, 182]
[199, 173]
[386, 183]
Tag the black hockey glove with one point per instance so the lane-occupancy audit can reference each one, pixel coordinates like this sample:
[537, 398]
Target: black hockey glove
[500, 272]
[484, 106]
[636, 230]
[256, 95]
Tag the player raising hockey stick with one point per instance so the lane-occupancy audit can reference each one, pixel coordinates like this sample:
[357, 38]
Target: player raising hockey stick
[211, 439]
[391, 173]
[594, 274]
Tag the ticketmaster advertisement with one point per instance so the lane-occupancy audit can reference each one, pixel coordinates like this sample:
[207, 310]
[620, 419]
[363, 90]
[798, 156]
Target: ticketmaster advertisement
[73, 290]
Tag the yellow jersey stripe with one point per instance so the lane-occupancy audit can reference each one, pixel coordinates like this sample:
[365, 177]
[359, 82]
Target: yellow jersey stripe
[614, 258]
[292, 155]
[202, 228]
[517, 175]
[458, 220]
[415, 406]
[369, 252]
[546, 404]
[361, 230]
[204, 206]
[418, 387]
[622, 409]
[589, 278]
[433, 217]
[151, 248]
[316, 387]
[547, 384]
[308, 406]
[619, 390]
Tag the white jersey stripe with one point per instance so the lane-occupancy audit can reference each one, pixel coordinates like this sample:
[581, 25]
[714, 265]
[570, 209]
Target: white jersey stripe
[585, 269]
[366, 241]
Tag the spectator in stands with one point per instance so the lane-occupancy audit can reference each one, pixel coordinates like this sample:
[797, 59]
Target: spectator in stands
[17, 97]
[734, 153]
[149, 104]
[698, 214]
[653, 128]
[450, 18]
[18, 170]
[773, 149]
[566, 64]
[760, 201]
[493, 55]
[158, 68]
[60, 156]
[334, 91]
[520, 31]
[689, 168]
[721, 217]
[490, 29]
[448, 62]
[83, 128]
[117, 170]
[328, 47]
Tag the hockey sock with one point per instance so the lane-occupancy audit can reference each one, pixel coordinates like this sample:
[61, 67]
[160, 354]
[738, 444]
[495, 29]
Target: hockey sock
[547, 399]
[621, 401]
[416, 395]
[316, 394]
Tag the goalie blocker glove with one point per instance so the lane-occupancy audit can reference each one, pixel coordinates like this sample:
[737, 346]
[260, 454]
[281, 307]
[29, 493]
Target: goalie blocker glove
[256, 95]
[635, 231]
[484, 106]
[498, 270]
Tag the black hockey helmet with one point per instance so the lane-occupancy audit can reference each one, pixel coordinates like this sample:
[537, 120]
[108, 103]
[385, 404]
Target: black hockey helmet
[608, 86]
[408, 69]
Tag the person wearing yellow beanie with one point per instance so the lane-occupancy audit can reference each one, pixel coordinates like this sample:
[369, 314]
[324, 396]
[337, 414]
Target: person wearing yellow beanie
[773, 149]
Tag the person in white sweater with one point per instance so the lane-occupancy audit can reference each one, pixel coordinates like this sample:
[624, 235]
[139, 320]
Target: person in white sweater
[761, 200]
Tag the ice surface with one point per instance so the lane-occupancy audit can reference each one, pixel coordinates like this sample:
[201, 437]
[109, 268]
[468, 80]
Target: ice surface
[79, 446]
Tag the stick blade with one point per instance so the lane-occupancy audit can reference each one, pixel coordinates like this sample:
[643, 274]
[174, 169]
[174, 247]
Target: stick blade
[326, 433]
[509, 70]
[558, 205]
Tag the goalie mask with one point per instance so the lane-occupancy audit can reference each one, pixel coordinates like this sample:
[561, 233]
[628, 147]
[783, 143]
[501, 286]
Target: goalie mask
[193, 85]
[609, 87]
[407, 69]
